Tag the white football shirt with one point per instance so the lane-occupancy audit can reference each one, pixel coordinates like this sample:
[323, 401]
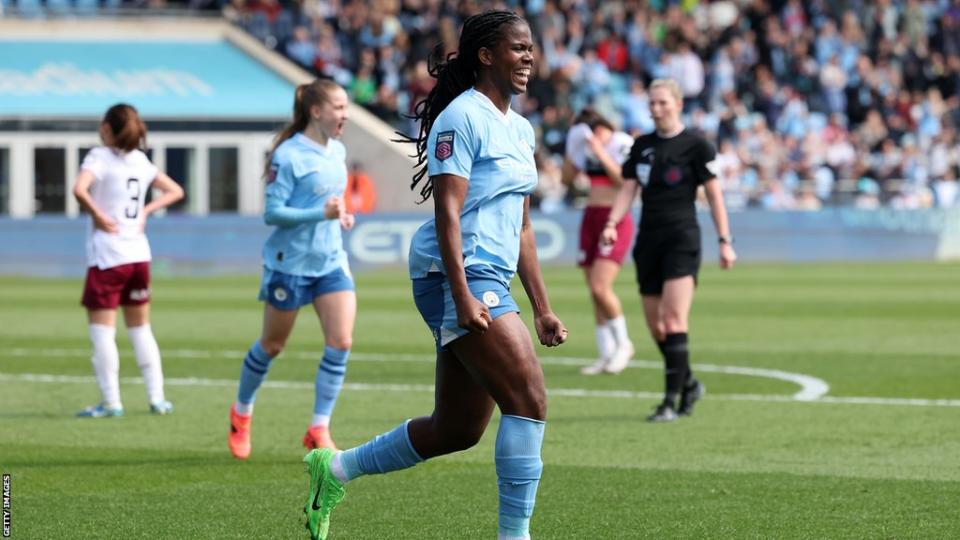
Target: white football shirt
[578, 151]
[121, 182]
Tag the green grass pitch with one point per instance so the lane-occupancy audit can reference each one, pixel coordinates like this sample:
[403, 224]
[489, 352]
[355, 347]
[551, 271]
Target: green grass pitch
[752, 462]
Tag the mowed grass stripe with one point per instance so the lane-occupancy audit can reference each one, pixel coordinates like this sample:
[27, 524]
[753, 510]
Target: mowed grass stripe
[734, 470]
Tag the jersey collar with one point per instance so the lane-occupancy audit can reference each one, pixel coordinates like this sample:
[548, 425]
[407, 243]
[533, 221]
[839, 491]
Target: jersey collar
[674, 136]
[311, 144]
[482, 98]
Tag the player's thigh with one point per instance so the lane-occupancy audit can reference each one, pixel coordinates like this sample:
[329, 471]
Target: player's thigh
[603, 273]
[337, 312]
[460, 401]
[502, 360]
[651, 314]
[677, 299]
[135, 315]
[651, 308]
[277, 325]
[599, 315]
[105, 317]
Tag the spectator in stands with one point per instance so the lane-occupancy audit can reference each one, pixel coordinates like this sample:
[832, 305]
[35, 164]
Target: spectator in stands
[635, 109]
[301, 48]
[875, 64]
[946, 190]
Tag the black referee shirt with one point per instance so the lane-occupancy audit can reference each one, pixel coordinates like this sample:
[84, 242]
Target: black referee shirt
[669, 171]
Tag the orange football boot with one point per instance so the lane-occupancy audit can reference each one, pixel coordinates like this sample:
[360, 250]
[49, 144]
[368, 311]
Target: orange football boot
[318, 437]
[239, 437]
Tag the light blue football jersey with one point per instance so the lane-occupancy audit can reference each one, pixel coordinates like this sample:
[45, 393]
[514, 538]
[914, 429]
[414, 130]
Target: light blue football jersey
[303, 175]
[494, 152]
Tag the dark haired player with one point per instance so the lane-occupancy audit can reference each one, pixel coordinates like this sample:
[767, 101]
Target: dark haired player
[480, 171]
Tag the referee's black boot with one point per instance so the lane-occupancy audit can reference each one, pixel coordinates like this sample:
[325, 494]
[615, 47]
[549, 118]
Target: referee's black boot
[664, 413]
[692, 392]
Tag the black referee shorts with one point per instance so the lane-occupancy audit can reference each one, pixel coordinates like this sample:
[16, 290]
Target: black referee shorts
[663, 254]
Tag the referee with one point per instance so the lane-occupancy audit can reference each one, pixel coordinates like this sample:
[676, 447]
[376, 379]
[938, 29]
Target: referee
[669, 165]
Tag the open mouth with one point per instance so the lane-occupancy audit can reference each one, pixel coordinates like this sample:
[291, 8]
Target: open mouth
[522, 75]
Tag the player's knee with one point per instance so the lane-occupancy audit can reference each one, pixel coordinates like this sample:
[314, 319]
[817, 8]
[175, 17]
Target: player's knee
[342, 343]
[674, 323]
[462, 438]
[658, 333]
[446, 436]
[598, 290]
[272, 348]
[534, 403]
[657, 329]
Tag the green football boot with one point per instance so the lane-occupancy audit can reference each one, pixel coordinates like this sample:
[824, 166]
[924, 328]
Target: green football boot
[325, 492]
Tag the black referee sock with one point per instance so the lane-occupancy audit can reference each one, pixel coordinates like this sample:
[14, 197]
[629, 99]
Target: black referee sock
[688, 383]
[676, 358]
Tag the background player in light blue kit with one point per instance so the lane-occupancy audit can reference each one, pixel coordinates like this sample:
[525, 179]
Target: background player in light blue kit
[304, 261]
[481, 170]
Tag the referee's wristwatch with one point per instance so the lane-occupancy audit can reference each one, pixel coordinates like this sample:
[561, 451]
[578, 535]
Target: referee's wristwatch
[725, 239]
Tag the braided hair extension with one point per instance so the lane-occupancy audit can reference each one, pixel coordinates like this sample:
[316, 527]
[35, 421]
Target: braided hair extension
[455, 74]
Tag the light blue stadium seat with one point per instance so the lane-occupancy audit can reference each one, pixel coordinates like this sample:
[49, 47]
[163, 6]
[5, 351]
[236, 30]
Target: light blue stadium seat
[59, 7]
[87, 7]
[30, 8]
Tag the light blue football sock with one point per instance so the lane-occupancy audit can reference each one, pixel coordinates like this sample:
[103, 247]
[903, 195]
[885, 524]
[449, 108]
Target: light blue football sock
[330, 374]
[255, 367]
[387, 452]
[517, 456]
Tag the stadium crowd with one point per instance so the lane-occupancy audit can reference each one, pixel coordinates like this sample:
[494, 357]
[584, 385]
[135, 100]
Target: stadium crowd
[808, 103]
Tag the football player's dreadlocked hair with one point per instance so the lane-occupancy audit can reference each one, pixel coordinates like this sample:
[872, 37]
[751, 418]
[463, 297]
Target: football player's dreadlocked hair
[455, 74]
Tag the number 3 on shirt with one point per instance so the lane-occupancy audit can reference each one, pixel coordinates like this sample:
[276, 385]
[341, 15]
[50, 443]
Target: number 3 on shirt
[133, 207]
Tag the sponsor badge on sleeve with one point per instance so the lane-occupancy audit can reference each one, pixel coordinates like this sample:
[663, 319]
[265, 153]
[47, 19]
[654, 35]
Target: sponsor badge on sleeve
[444, 148]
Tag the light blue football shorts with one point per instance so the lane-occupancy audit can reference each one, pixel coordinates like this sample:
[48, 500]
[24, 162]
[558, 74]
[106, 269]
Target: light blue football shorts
[432, 296]
[288, 292]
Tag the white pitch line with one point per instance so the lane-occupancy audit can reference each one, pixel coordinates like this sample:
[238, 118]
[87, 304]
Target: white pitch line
[429, 388]
[811, 388]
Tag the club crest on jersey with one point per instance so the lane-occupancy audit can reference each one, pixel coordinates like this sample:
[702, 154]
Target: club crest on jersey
[445, 141]
[272, 173]
[491, 299]
[280, 294]
[672, 175]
